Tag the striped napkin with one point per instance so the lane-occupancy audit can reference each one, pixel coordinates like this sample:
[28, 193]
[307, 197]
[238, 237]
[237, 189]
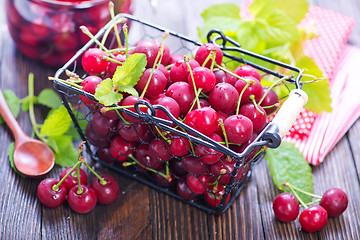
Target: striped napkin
[315, 135]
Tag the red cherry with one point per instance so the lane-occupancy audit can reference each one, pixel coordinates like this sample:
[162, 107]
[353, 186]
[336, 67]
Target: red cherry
[286, 207]
[92, 61]
[72, 179]
[238, 129]
[48, 196]
[203, 52]
[108, 192]
[82, 202]
[334, 201]
[313, 218]
[203, 120]
[248, 71]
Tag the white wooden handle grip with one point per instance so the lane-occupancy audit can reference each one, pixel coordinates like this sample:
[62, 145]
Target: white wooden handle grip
[290, 110]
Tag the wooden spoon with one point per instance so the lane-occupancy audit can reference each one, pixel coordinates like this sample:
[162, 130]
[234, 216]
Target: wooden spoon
[31, 157]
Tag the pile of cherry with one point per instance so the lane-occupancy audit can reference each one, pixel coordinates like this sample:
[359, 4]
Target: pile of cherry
[332, 204]
[229, 107]
[72, 185]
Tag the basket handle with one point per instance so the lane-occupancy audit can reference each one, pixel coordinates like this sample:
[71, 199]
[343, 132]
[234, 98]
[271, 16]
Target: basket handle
[285, 117]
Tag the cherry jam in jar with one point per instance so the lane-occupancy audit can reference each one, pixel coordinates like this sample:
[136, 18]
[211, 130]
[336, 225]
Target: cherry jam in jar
[48, 31]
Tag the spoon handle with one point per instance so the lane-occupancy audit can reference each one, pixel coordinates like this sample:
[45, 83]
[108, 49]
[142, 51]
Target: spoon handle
[10, 120]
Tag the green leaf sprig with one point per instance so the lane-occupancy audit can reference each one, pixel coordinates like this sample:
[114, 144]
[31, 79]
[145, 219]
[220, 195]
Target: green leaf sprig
[57, 131]
[109, 91]
[272, 30]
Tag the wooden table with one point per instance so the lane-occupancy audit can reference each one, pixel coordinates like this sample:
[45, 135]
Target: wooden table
[143, 213]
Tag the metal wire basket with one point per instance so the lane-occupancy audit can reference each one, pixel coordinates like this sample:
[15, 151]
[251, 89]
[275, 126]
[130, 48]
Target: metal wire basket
[176, 129]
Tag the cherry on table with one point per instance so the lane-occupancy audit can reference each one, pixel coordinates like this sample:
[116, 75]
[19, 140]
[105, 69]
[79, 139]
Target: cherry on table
[72, 179]
[286, 207]
[48, 196]
[108, 192]
[84, 201]
[313, 218]
[335, 201]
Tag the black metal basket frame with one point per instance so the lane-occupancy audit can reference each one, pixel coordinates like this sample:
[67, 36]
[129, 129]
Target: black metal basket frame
[268, 137]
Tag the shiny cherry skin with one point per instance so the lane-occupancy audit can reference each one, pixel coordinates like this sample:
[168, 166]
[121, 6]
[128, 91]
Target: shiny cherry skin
[254, 90]
[157, 84]
[248, 71]
[92, 61]
[204, 78]
[209, 155]
[257, 117]
[72, 179]
[205, 50]
[120, 149]
[270, 99]
[224, 97]
[48, 196]
[313, 218]
[179, 71]
[184, 95]
[286, 207]
[203, 120]
[89, 85]
[335, 201]
[83, 202]
[108, 192]
[238, 128]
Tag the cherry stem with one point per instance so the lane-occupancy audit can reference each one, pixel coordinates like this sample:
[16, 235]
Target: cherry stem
[125, 30]
[313, 202]
[66, 82]
[252, 98]
[86, 31]
[161, 134]
[213, 53]
[239, 100]
[273, 85]
[102, 181]
[193, 103]
[152, 71]
[300, 190]
[106, 58]
[80, 190]
[271, 106]
[119, 50]
[186, 60]
[112, 14]
[147, 168]
[56, 187]
[231, 73]
[221, 123]
[295, 194]
[106, 34]
[31, 108]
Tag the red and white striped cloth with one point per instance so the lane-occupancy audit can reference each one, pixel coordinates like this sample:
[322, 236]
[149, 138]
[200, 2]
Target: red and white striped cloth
[315, 135]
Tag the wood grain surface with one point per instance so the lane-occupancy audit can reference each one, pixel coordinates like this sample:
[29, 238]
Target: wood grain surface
[144, 213]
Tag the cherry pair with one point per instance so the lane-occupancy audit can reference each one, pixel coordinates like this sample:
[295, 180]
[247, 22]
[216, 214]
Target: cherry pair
[73, 185]
[332, 203]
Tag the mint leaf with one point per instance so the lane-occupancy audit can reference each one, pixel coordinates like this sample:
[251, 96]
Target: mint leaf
[49, 98]
[105, 94]
[66, 155]
[261, 8]
[13, 102]
[287, 164]
[281, 29]
[295, 9]
[11, 158]
[56, 123]
[225, 17]
[128, 89]
[318, 91]
[129, 73]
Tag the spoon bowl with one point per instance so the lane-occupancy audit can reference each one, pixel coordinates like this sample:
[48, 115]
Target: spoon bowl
[32, 157]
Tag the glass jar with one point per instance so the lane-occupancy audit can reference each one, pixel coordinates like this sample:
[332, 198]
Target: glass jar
[48, 30]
